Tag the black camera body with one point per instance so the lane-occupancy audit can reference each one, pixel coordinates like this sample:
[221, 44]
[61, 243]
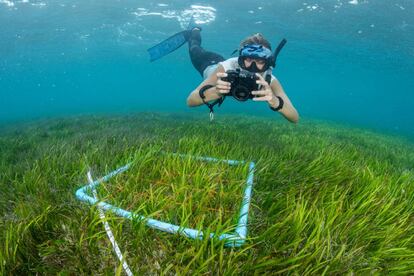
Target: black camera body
[243, 83]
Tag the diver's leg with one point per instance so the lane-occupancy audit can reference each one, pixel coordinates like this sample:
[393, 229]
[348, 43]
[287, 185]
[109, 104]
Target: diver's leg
[201, 58]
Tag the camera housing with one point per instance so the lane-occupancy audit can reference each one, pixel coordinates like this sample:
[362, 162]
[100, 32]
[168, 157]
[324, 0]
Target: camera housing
[243, 83]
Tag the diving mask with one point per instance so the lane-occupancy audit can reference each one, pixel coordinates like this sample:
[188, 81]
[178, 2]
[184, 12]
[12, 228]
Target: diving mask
[258, 52]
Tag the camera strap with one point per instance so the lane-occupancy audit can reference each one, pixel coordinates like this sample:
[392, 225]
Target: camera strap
[210, 105]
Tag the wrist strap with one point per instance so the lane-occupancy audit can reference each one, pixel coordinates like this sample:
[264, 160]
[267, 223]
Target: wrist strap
[203, 90]
[209, 105]
[280, 106]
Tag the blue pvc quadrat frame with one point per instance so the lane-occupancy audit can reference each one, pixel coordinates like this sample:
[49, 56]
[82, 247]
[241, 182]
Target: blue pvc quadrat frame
[234, 239]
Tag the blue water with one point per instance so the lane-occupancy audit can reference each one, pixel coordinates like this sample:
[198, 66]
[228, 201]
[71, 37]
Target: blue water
[345, 61]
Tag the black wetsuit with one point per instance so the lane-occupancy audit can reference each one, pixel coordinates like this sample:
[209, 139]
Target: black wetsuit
[201, 58]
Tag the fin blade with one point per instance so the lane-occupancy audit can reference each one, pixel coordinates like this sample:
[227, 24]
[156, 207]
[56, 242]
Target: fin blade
[167, 46]
[191, 23]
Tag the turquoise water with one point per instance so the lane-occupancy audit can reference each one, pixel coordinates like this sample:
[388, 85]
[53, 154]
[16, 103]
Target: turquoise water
[345, 61]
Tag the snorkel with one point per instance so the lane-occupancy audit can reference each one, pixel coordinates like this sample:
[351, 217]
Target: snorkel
[258, 51]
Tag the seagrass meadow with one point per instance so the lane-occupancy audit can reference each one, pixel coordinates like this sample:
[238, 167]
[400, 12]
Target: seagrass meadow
[327, 199]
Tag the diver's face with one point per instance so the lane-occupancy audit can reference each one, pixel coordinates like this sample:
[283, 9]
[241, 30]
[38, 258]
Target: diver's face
[260, 63]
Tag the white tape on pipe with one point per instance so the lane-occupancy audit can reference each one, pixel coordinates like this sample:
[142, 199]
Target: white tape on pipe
[108, 230]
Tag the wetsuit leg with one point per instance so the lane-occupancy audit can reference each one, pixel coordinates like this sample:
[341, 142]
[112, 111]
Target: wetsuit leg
[201, 58]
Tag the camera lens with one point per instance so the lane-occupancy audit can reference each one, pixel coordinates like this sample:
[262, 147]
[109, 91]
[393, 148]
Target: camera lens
[241, 93]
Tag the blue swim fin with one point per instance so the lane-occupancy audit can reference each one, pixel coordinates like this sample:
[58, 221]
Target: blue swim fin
[192, 24]
[172, 43]
[169, 45]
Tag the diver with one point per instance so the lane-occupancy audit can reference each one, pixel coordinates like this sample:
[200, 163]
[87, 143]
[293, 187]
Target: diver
[255, 58]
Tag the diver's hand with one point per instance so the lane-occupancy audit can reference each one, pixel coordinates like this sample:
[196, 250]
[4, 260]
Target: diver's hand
[222, 87]
[265, 93]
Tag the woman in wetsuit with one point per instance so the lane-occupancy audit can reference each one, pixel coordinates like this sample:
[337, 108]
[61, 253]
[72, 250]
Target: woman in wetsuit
[212, 67]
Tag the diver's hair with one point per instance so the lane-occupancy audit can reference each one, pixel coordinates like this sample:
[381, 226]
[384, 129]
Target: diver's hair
[256, 39]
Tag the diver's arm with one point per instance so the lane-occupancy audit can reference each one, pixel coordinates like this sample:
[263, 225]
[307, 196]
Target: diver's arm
[288, 111]
[194, 98]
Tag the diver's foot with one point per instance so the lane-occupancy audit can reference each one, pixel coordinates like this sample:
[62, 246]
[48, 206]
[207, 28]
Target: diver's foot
[192, 34]
[195, 33]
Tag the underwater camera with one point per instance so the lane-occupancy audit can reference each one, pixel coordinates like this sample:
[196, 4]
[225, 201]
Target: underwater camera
[243, 83]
